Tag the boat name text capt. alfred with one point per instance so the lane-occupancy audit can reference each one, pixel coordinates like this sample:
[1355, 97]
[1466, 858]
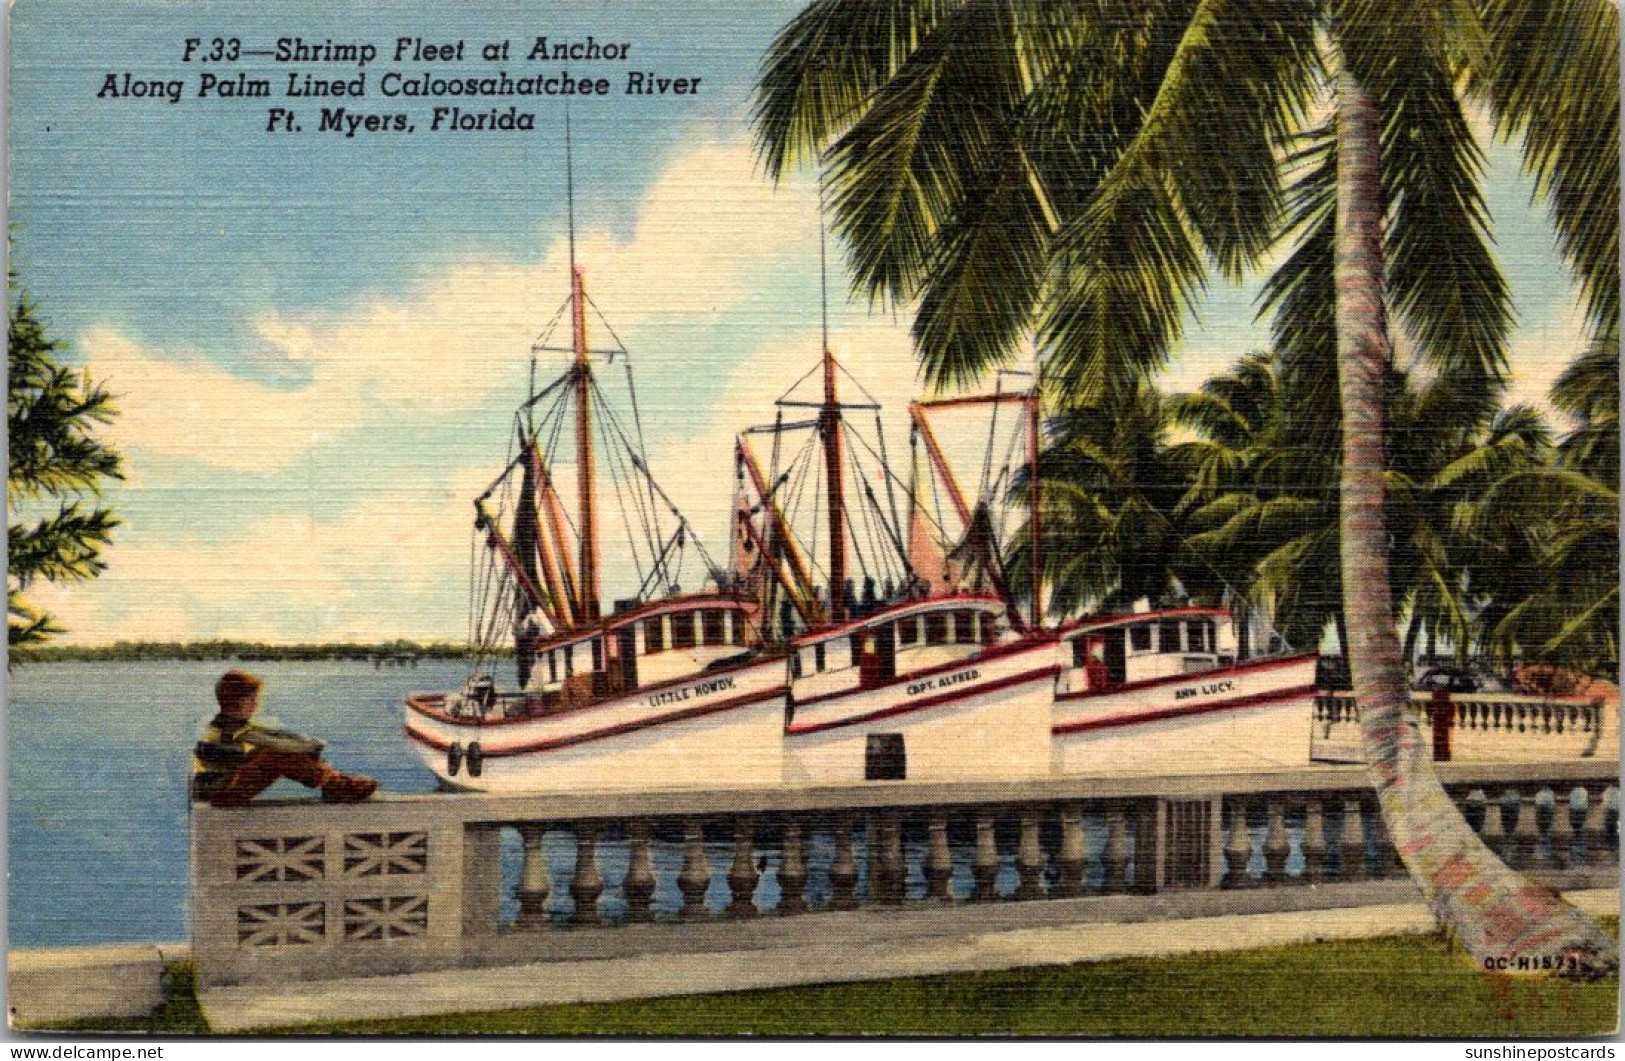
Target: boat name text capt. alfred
[690, 692]
[916, 688]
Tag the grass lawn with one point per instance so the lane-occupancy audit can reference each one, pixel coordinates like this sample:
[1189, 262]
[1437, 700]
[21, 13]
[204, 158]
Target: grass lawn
[1406, 987]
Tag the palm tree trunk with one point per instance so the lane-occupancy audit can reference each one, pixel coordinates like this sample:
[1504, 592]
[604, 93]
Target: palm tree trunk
[1493, 912]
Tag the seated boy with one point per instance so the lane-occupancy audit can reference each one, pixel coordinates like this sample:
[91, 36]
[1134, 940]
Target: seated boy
[237, 760]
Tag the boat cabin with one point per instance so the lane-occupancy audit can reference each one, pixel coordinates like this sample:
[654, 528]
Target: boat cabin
[1111, 652]
[659, 642]
[893, 643]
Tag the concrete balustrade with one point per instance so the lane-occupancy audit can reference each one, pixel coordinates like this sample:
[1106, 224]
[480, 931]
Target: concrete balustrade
[1482, 727]
[405, 883]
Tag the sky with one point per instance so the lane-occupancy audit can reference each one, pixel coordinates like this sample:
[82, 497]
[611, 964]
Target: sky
[317, 341]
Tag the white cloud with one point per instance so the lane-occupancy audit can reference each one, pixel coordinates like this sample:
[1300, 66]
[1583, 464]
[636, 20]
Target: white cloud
[708, 229]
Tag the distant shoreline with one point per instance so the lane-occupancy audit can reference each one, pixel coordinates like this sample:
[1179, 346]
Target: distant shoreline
[247, 651]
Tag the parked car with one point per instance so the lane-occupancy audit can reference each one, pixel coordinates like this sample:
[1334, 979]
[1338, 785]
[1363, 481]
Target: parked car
[1449, 679]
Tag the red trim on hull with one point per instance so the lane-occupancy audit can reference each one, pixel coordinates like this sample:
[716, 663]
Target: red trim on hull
[555, 743]
[998, 652]
[1175, 679]
[923, 704]
[1114, 721]
[419, 701]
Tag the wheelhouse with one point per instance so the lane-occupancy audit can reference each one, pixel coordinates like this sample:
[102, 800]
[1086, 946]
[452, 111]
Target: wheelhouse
[893, 643]
[1110, 652]
[658, 642]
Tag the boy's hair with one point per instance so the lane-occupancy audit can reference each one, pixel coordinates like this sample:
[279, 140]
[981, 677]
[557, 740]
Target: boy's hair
[235, 688]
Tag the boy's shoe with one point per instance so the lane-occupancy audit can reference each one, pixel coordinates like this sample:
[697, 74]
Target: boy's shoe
[348, 788]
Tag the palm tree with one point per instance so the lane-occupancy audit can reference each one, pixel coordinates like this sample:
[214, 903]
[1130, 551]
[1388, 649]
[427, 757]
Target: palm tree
[1079, 169]
[1115, 527]
[1557, 526]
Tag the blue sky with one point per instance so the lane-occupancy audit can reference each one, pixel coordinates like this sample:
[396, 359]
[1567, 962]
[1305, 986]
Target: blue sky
[317, 340]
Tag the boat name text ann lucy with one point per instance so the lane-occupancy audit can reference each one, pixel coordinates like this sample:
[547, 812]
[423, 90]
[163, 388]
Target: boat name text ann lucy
[673, 696]
[943, 682]
[1205, 690]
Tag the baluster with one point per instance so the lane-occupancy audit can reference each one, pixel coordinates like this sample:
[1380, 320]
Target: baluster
[1494, 831]
[843, 872]
[1593, 838]
[894, 871]
[1116, 855]
[1351, 841]
[1238, 847]
[1030, 857]
[1525, 831]
[1472, 809]
[639, 885]
[588, 883]
[1610, 819]
[985, 861]
[742, 874]
[1070, 862]
[873, 858]
[939, 867]
[793, 871]
[695, 877]
[1387, 855]
[1276, 844]
[1562, 827]
[533, 880]
[1314, 841]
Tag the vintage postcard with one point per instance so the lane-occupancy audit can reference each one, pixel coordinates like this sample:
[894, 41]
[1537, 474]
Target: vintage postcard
[814, 518]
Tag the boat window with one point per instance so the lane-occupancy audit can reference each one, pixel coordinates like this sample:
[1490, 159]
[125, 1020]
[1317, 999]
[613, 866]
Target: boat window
[654, 635]
[1196, 632]
[990, 629]
[1139, 637]
[597, 654]
[736, 628]
[552, 667]
[908, 630]
[1168, 635]
[682, 630]
[965, 628]
[936, 629]
[569, 660]
[795, 665]
[712, 623]
[818, 657]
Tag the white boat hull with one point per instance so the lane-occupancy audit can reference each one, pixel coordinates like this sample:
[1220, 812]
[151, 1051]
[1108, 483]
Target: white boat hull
[721, 728]
[1250, 715]
[980, 718]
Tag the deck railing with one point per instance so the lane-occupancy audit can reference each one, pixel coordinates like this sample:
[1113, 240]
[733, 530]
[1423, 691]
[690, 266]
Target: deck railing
[404, 883]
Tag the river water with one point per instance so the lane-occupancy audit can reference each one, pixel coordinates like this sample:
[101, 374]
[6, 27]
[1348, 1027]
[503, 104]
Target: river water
[99, 756]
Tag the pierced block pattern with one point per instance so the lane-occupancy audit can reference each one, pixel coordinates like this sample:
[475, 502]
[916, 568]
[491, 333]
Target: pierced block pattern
[390, 917]
[281, 858]
[281, 924]
[385, 854]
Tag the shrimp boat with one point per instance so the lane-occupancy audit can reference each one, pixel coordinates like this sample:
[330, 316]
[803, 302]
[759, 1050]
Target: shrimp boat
[1167, 691]
[932, 672]
[668, 690]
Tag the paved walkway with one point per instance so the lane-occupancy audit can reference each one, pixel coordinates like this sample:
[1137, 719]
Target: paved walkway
[657, 960]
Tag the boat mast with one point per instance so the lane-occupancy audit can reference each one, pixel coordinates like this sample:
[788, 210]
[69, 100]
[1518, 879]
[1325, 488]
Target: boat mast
[829, 423]
[587, 604]
[1032, 516]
